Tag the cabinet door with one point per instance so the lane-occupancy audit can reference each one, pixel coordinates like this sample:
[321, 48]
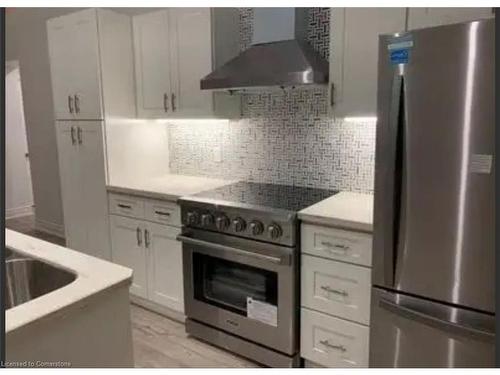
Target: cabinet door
[152, 63]
[85, 66]
[62, 53]
[427, 17]
[93, 183]
[191, 56]
[71, 187]
[127, 241]
[354, 56]
[165, 266]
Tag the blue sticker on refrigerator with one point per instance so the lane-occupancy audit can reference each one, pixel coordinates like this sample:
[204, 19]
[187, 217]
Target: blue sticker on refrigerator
[399, 56]
[399, 51]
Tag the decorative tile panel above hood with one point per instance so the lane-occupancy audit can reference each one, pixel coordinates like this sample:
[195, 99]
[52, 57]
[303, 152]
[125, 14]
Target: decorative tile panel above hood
[284, 137]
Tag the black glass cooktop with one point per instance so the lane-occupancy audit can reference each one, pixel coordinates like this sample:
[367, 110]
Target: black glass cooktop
[285, 197]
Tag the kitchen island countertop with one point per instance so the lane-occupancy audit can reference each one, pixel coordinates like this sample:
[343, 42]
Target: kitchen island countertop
[93, 277]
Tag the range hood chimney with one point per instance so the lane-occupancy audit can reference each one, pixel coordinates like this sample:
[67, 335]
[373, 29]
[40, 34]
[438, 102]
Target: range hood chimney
[279, 55]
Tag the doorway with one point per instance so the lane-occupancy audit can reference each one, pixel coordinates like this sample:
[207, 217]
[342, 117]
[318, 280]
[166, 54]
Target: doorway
[18, 187]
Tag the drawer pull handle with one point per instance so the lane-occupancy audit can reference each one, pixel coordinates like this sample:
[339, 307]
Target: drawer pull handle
[124, 206]
[335, 291]
[162, 213]
[337, 246]
[326, 343]
[139, 236]
[147, 241]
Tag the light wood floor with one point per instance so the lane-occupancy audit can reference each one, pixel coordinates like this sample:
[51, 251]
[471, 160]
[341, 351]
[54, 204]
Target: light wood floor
[161, 342]
[158, 341]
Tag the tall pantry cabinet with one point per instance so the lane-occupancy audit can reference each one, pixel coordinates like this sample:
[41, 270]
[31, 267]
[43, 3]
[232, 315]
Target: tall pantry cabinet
[91, 64]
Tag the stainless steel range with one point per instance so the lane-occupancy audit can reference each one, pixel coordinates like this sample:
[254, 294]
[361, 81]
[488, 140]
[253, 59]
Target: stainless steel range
[241, 268]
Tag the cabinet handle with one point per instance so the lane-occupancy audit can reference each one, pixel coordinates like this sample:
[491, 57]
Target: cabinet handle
[173, 102]
[333, 346]
[139, 236]
[73, 140]
[335, 291]
[77, 104]
[165, 102]
[332, 97]
[124, 206]
[334, 245]
[79, 134]
[70, 104]
[162, 213]
[147, 242]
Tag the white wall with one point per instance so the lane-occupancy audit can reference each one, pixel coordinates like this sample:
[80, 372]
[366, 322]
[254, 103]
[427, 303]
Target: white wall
[18, 191]
[26, 41]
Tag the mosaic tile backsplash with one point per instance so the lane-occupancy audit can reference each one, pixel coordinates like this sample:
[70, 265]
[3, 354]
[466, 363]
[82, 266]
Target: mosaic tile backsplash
[283, 137]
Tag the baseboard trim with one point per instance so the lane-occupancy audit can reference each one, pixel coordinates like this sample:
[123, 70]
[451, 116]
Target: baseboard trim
[49, 227]
[11, 213]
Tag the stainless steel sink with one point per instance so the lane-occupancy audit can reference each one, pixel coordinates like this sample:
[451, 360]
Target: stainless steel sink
[27, 279]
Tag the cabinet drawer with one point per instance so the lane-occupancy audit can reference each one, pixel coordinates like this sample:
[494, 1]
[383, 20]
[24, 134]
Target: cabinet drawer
[163, 212]
[333, 342]
[338, 244]
[336, 288]
[126, 205]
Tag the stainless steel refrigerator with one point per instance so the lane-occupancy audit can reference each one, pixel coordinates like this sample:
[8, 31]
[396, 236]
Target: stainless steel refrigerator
[433, 302]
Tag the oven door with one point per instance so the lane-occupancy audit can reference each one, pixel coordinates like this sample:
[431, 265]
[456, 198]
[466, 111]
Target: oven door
[247, 288]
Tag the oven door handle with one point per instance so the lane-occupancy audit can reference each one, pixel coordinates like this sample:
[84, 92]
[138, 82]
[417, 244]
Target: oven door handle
[282, 260]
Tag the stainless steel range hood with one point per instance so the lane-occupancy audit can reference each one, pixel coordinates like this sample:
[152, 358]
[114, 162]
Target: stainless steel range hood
[279, 55]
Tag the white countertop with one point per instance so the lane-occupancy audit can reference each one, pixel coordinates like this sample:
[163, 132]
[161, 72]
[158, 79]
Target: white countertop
[345, 209]
[169, 187]
[94, 276]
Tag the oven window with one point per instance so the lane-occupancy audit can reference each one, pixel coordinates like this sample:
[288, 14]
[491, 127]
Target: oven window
[227, 284]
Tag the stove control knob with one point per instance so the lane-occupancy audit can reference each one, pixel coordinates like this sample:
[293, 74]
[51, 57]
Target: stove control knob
[222, 222]
[239, 224]
[207, 220]
[275, 231]
[256, 227]
[192, 218]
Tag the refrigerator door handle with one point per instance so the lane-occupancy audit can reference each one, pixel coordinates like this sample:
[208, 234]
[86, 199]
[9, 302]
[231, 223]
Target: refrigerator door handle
[435, 322]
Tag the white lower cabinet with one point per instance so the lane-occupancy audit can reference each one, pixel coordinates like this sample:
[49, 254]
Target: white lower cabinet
[165, 267]
[127, 242]
[333, 342]
[150, 249]
[335, 296]
[336, 288]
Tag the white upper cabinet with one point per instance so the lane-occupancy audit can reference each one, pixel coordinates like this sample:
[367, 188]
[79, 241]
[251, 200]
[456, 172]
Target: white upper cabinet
[61, 34]
[91, 63]
[354, 57]
[85, 67]
[192, 60]
[354, 49]
[152, 62]
[427, 17]
[173, 52]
